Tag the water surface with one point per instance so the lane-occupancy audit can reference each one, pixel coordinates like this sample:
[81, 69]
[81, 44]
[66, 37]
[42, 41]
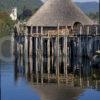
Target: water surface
[19, 83]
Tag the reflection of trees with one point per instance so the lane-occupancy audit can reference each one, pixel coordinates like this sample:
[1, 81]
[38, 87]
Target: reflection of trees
[96, 73]
[88, 78]
[82, 75]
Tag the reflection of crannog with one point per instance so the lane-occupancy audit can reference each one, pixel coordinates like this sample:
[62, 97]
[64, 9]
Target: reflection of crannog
[46, 71]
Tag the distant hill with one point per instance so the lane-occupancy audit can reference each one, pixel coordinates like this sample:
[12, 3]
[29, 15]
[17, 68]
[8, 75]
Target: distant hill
[89, 7]
[7, 5]
[34, 4]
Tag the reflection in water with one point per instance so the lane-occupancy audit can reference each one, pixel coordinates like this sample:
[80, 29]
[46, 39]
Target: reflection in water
[15, 90]
[80, 82]
[58, 86]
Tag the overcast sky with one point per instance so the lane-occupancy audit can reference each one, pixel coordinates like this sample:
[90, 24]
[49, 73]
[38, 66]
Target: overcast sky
[82, 0]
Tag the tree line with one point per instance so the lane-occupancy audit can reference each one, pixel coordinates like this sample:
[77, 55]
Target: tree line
[6, 24]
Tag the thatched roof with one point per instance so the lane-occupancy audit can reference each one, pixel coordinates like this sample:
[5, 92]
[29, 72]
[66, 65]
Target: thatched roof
[62, 12]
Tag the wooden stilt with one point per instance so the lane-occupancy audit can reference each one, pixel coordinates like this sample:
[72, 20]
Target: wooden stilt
[87, 39]
[55, 55]
[66, 54]
[36, 42]
[41, 60]
[96, 30]
[88, 29]
[41, 56]
[48, 47]
[30, 42]
[52, 54]
[66, 64]
[80, 45]
[58, 55]
[37, 59]
[26, 50]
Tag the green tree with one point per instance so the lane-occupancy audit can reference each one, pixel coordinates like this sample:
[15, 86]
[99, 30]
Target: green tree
[94, 16]
[6, 24]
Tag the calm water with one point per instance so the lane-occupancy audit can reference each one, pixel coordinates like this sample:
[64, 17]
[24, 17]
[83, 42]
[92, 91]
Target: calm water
[22, 90]
[12, 90]
[18, 85]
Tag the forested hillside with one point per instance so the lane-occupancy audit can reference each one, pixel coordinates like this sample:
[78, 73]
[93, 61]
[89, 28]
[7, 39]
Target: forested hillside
[89, 7]
[6, 24]
[7, 5]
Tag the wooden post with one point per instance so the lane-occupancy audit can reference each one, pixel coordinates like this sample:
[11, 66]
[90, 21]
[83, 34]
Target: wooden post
[48, 47]
[41, 31]
[97, 38]
[36, 51]
[66, 56]
[55, 53]
[97, 30]
[41, 60]
[41, 55]
[30, 42]
[37, 58]
[80, 44]
[68, 32]
[65, 53]
[87, 39]
[80, 31]
[52, 55]
[88, 29]
[36, 43]
[26, 50]
[58, 53]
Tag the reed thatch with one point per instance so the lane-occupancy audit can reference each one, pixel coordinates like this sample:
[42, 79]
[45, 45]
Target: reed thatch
[62, 12]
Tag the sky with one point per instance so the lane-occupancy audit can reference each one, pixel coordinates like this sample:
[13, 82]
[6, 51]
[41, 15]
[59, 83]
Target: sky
[82, 0]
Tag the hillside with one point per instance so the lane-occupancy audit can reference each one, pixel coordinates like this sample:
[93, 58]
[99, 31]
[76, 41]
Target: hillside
[34, 4]
[7, 5]
[89, 7]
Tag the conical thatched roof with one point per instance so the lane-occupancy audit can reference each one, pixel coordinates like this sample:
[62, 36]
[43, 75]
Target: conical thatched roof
[62, 12]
